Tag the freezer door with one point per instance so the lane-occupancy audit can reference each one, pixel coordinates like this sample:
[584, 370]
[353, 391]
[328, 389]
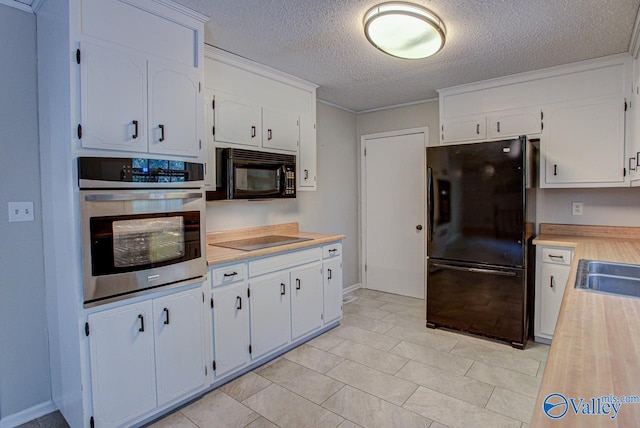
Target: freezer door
[476, 202]
[477, 299]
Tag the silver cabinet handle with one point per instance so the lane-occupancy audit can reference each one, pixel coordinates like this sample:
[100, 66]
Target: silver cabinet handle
[475, 270]
[140, 196]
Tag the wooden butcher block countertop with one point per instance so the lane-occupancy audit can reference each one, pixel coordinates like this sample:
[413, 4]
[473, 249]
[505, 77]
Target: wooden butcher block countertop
[595, 350]
[219, 255]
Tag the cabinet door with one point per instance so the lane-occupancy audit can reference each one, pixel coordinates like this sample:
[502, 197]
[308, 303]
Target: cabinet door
[583, 143]
[332, 288]
[306, 300]
[236, 120]
[122, 363]
[464, 129]
[230, 328]
[514, 123]
[280, 129]
[552, 283]
[113, 99]
[307, 158]
[270, 313]
[174, 109]
[180, 364]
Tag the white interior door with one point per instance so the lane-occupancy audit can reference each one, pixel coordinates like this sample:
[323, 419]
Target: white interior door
[394, 168]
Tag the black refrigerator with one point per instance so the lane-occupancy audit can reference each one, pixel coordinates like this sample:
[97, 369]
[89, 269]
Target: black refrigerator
[481, 221]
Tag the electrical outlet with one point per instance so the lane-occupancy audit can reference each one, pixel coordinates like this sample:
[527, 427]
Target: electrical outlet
[577, 208]
[20, 211]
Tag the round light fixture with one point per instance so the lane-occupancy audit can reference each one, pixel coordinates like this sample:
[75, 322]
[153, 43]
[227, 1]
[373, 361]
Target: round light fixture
[404, 30]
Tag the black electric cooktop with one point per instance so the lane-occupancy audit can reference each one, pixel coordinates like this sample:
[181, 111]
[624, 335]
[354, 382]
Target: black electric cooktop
[260, 242]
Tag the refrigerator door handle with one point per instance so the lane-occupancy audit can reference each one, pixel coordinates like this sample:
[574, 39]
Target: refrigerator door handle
[430, 201]
[474, 270]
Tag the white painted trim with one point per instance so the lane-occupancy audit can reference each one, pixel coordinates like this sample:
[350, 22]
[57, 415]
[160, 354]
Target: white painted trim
[411, 103]
[362, 189]
[36, 4]
[351, 288]
[183, 10]
[237, 61]
[29, 414]
[329, 103]
[544, 73]
[634, 44]
[17, 5]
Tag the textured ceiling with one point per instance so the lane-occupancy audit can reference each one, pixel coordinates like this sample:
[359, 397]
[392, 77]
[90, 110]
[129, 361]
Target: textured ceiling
[323, 41]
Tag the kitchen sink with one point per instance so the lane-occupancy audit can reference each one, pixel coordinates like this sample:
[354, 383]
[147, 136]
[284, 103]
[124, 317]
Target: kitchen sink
[608, 277]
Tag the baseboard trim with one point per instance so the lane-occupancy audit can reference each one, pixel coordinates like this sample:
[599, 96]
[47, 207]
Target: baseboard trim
[351, 288]
[27, 415]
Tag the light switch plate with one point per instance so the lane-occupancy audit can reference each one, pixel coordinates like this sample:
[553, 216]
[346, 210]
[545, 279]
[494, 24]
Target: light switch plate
[20, 211]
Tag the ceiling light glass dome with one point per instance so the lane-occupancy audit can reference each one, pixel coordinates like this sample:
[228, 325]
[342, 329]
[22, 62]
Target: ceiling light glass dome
[404, 30]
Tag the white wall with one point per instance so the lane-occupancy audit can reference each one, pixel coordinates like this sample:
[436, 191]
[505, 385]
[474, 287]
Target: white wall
[611, 207]
[333, 208]
[24, 355]
[413, 116]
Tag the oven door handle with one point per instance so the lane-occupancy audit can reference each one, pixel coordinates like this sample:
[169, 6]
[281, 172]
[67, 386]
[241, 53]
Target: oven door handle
[108, 197]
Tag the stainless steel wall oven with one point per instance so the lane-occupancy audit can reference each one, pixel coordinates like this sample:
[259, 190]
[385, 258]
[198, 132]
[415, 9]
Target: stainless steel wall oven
[143, 226]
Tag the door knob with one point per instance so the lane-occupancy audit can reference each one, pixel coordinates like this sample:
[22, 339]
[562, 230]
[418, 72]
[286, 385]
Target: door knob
[419, 227]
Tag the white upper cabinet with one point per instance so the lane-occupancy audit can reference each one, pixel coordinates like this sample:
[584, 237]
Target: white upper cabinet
[280, 129]
[114, 98]
[577, 110]
[583, 143]
[513, 123]
[174, 109]
[259, 108]
[237, 120]
[138, 92]
[464, 129]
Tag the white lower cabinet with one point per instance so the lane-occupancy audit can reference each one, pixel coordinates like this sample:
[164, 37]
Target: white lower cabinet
[270, 314]
[553, 265]
[230, 328]
[144, 355]
[266, 305]
[306, 300]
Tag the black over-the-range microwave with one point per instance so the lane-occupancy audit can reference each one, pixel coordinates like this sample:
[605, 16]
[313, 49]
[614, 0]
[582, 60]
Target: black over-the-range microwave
[251, 174]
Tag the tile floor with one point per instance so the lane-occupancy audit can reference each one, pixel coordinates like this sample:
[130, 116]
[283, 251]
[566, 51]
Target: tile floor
[380, 368]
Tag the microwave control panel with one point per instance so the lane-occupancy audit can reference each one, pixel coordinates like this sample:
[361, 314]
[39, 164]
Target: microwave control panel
[290, 181]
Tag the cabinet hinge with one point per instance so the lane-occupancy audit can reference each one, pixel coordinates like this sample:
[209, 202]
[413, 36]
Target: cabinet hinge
[78, 56]
[541, 115]
[92, 422]
[365, 151]
[624, 172]
[86, 329]
[200, 144]
[365, 267]
[203, 297]
[212, 303]
[213, 104]
[213, 130]
[625, 106]
[79, 131]
[205, 371]
[249, 348]
[214, 365]
[199, 86]
[542, 126]
[248, 292]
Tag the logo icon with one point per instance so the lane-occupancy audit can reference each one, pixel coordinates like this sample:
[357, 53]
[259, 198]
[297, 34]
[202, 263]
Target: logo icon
[555, 406]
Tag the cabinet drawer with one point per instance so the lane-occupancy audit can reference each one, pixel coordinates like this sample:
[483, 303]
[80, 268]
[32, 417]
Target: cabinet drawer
[284, 261]
[229, 274]
[557, 256]
[332, 250]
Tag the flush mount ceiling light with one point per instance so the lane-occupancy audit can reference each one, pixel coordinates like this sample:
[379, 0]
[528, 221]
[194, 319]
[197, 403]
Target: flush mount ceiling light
[404, 30]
